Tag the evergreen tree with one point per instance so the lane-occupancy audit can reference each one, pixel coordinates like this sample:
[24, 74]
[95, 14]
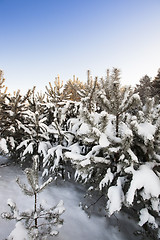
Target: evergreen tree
[55, 94]
[104, 137]
[33, 127]
[39, 222]
[116, 100]
[88, 95]
[13, 112]
[145, 127]
[156, 86]
[144, 88]
[36, 139]
[72, 89]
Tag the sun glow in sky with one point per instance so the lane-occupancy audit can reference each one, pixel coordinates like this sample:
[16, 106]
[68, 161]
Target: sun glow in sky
[42, 38]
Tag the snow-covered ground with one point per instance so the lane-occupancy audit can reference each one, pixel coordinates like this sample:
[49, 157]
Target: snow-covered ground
[76, 225]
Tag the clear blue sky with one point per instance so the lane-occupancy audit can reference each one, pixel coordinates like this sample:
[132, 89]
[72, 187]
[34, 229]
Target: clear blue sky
[42, 38]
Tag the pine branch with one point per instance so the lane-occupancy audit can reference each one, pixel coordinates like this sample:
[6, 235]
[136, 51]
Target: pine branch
[24, 188]
[92, 204]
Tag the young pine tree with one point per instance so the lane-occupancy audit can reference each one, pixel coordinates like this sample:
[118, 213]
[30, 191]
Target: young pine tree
[54, 94]
[72, 89]
[40, 222]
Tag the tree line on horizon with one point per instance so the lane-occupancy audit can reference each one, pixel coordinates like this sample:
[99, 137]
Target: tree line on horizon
[73, 88]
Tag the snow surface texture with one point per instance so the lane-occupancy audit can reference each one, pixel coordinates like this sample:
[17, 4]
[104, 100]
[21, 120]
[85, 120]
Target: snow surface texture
[77, 225]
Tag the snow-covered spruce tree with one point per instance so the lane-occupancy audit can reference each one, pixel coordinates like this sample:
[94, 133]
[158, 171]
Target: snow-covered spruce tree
[36, 139]
[40, 222]
[107, 157]
[144, 189]
[68, 112]
[115, 99]
[55, 94]
[44, 127]
[144, 88]
[145, 127]
[58, 111]
[35, 130]
[106, 134]
[88, 95]
[13, 120]
[54, 162]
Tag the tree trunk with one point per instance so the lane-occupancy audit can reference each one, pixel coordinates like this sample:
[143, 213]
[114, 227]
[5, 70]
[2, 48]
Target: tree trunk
[117, 125]
[35, 210]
